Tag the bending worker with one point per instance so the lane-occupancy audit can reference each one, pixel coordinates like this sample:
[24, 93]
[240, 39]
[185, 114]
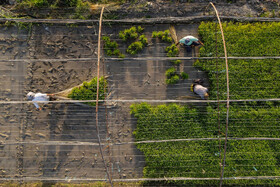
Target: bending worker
[39, 97]
[200, 90]
[189, 42]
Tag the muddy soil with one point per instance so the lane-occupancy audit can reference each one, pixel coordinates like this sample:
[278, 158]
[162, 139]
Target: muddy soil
[61, 142]
[184, 8]
[162, 8]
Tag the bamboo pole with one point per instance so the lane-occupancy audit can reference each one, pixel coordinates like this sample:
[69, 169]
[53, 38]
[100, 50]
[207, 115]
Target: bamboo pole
[97, 98]
[227, 77]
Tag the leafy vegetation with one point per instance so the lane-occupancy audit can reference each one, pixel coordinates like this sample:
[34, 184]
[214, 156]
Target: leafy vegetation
[170, 72]
[111, 47]
[132, 34]
[249, 79]
[202, 158]
[173, 77]
[88, 184]
[129, 34]
[143, 39]
[79, 9]
[173, 80]
[184, 75]
[172, 50]
[162, 35]
[50, 3]
[134, 48]
[176, 62]
[173, 159]
[88, 91]
[140, 29]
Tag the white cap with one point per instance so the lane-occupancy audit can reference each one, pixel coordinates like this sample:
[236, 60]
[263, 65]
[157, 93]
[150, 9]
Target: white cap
[30, 95]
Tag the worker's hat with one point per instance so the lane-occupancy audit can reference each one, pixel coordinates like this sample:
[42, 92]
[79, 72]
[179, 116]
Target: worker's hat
[192, 86]
[30, 95]
[206, 95]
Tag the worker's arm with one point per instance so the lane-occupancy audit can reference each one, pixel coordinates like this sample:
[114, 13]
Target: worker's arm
[37, 106]
[200, 42]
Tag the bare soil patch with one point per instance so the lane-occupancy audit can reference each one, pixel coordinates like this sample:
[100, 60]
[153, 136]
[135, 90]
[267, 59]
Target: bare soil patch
[60, 142]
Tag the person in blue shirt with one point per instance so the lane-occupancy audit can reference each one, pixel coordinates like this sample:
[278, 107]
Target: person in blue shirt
[189, 42]
[39, 97]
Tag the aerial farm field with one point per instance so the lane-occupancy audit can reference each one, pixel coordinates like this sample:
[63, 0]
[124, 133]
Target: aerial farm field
[149, 127]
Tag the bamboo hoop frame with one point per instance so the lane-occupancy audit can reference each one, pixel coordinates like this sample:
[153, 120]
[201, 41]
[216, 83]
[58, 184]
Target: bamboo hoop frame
[227, 78]
[97, 98]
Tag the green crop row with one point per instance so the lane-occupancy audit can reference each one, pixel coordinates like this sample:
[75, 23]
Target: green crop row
[131, 33]
[201, 159]
[132, 36]
[49, 3]
[111, 47]
[79, 9]
[173, 76]
[137, 41]
[137, 46]
[162, 35]
[172, 51]
[249, 79]
[88, 91]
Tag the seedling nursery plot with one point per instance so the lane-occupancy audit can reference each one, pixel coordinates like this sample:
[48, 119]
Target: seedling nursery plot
[140, 139]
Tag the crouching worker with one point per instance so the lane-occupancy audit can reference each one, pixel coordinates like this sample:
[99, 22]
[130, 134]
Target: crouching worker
[39, 97]
[200, 90]
[189, 42]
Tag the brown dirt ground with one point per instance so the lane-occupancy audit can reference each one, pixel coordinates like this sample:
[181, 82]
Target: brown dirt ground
[60, 142]
[161, 8]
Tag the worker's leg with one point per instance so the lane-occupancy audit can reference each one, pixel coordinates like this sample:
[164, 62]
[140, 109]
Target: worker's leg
[188, 48]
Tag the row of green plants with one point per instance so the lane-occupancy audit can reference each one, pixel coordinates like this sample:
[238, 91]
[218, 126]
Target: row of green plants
[88, 91]
[173, 74]
[73, 9]
[137, 41]
[163, 36]
[112, 47]
[249, 79]
[201, 159]
[132, 37]
[49, 3]
[130, 34]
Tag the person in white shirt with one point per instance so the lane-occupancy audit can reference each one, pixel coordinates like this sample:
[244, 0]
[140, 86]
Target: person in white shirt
[200, 90]
[31, 96]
